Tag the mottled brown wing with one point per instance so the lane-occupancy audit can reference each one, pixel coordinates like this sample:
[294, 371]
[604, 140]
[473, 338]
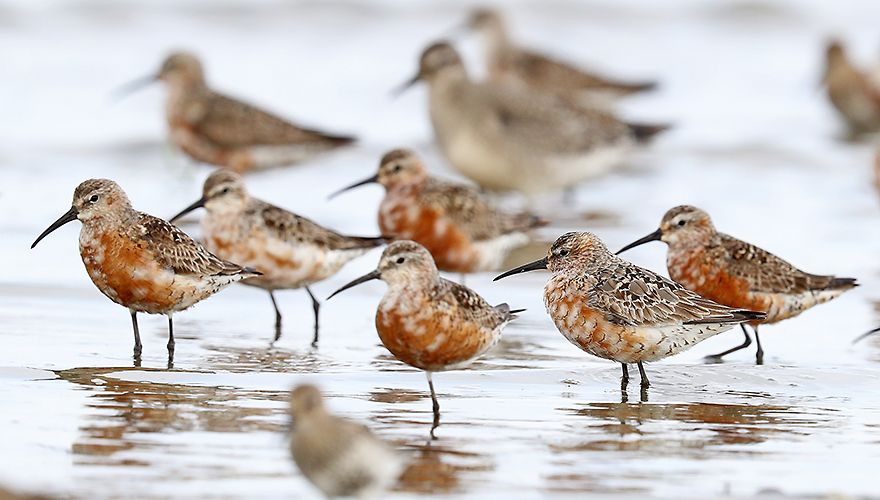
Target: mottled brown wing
[471, 212]
[540, 70]
[764, 271]
[470, 305]
[231, 123]
[636, 296]
[542, 123]
[178, 251]
[292, 228]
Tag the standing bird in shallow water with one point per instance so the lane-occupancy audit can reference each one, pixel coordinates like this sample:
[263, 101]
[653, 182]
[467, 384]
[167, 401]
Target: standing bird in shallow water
[213, 128]
[463, 231]
[514, 65]
[341, 458]
[853, 93]
[616, 310]
[510, 139]
[292, 251]
[736, 273]
[428, 322]
[140, 261]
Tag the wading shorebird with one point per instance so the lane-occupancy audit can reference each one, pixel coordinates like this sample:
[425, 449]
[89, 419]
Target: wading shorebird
[854, 94]
[341, 458]
[428, 322]
[616, 310]
[736, 273]
[213, 128]
[509, 139]
[463, 231]
[511, 64]
[290, 250]
[142, 262]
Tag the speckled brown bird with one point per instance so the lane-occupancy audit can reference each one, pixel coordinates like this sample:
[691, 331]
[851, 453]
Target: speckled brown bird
[853, 93]
[428, 322]
[508, 63]
[736, 273]
[506, 138]
[213, 128]
[616, 310]
[142, 262]
[462, 229]
[341, 458]
[290, 250]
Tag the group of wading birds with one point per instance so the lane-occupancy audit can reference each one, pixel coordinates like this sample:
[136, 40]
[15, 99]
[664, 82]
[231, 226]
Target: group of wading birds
[535, 125]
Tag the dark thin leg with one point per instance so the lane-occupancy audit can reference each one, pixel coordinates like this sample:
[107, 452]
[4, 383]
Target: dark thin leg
[435, 406]
[277, 317]
[759, 356]
[170, 342]
[746, 342]
[645, 382]
[138, 347]
[624, 380]
[316, 306]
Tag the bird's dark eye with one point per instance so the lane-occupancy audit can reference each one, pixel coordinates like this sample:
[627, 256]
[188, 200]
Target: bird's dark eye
[400, 260]
[93, 199]
[397, 168]
[224, 190]
[562, 252]
[681, 222]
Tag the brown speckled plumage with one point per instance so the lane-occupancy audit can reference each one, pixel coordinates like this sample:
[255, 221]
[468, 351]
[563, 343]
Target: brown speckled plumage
[509, 63]
[461, 228]
[220, 130]
[737, 273]
[853, 93]
[616, 310]
[291, 250]
[140, 261]
[428, 322]
[509, 138]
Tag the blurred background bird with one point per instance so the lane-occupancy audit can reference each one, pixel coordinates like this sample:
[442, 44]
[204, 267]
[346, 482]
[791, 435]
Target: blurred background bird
[213, 128]
[339, 457]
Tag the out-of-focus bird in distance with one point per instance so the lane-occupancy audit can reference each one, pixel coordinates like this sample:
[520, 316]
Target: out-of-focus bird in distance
[213, 128]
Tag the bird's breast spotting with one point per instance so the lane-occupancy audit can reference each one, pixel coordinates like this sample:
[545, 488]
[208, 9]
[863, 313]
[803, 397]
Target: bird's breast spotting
[430, 338]
[128, 274]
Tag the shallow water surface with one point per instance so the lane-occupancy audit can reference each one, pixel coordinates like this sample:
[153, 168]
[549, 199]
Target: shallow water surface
[754, 143]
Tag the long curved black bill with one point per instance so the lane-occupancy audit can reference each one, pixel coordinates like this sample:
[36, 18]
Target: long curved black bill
[70, 216]
[133, 86]
[198, 204]
[866, 334]
[403, 87]
[363, 279]
[364, 182]
[655, 236]
[531, 266]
